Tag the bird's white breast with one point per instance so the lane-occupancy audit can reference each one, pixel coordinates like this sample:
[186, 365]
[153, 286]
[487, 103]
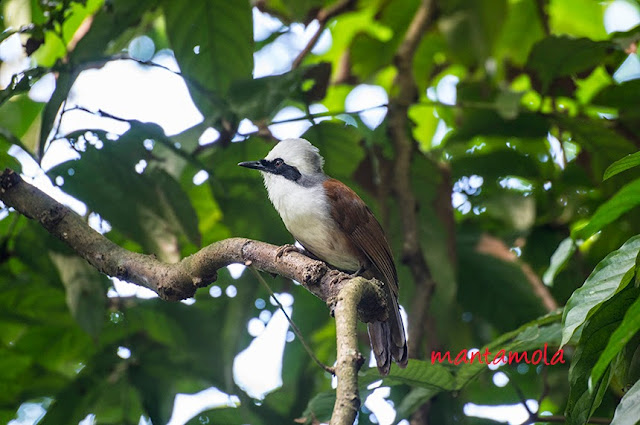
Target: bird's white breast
[306, 214]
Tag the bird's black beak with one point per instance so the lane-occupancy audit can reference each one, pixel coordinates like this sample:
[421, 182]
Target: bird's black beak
[256, 165]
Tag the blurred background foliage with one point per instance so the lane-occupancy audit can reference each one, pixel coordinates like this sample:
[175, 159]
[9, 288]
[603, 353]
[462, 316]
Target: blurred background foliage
[525, 171]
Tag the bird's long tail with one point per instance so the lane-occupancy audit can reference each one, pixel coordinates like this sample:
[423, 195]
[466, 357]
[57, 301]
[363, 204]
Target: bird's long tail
[388, 340]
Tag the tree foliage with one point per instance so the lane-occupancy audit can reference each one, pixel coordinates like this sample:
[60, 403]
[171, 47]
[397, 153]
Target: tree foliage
[537, 152]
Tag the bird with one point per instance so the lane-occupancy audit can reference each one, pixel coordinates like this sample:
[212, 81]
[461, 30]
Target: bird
[333, 224]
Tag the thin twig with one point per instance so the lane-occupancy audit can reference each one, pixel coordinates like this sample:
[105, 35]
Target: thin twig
[535, 417]
[544, 17]
[163, 140]
[521, 396]
[291, 323]
[545, 385]
[322, 17]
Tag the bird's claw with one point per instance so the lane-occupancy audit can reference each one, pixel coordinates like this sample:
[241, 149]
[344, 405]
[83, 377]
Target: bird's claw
[284, 249]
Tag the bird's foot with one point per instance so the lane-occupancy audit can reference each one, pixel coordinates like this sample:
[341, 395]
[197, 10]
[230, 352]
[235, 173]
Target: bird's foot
[357, 272]
[286, 249]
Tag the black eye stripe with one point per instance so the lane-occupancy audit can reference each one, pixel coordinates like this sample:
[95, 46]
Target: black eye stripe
[278, 166]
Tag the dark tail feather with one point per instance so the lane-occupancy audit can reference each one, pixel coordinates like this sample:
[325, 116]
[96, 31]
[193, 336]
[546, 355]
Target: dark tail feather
[379, 339]
[388, 341]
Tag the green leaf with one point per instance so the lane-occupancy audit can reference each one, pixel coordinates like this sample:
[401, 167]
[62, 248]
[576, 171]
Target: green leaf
[495, 164]
[19, 114]
[418, 373]
[213, 44]
[470, 30]
[150, 208]
[86, 291]
[628, 411]
[508, 104]
[6, 160]
[490, 123]
[339, 145]
[485, 281]
[625, 199]
[370, 48]
[426, 123]
[559, 260]
[624, 95]
[544, 331]
[226, 416]
[521, 30]
[578, 18]
[562, 56]
[412, 401]
[320, 408]
[261, 98]
[609, 276]
[629, 161]
[77, 13]
[585, 396]
[620, 337]
[73, 403]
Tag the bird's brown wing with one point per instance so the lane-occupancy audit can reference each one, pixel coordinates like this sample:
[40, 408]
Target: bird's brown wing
[363, 230]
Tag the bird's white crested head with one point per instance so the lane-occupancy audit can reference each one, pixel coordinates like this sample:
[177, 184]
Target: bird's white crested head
[298, 153]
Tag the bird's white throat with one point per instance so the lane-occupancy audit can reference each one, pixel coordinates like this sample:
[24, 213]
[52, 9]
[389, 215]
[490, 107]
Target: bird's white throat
[306, 214]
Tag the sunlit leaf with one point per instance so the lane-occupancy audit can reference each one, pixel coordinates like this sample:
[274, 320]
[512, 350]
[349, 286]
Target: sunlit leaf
[522, 28]
[629, 161]
[419, 373]
[628, 411]
[585, 395]
[559, 260]
[426, 124]
[609, 276]
[555, 57]
[213, 43]
[619, 338]
[628, 197]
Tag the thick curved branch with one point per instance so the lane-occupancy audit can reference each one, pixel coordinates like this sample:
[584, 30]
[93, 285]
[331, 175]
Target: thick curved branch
[179, 280]
[349, 359]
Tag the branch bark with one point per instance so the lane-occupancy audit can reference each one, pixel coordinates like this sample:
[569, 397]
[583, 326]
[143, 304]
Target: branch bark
[349, 359]
[349, 298]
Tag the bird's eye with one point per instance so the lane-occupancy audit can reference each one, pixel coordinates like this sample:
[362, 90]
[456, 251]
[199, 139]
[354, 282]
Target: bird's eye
[278, 162]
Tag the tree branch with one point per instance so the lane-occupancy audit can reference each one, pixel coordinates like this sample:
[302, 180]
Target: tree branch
[349, 359]
[495, 247]
[323, 17]
[179, 280]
